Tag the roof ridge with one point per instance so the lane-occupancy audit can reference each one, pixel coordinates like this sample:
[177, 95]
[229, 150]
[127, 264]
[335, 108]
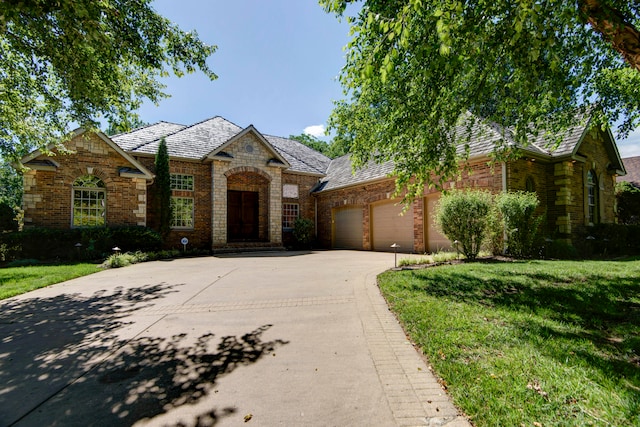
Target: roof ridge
[296, 157]
[182, 129]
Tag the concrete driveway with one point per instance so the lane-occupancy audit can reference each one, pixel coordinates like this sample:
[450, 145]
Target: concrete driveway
[265, 339]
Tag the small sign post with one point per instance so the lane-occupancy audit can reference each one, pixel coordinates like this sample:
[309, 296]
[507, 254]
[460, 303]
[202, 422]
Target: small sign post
[184, 242]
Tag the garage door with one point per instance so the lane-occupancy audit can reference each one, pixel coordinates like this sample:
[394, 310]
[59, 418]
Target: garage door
[347, 228]
[436, 241]
[389, 226]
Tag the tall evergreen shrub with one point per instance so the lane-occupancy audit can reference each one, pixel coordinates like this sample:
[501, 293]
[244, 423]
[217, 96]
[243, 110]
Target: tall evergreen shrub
[163, 194]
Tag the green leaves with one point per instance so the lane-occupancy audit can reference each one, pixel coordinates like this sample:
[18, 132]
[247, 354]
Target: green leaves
[415, 68]
[81, 61]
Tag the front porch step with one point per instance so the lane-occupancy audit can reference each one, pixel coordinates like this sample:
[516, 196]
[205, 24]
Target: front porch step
[240, 247]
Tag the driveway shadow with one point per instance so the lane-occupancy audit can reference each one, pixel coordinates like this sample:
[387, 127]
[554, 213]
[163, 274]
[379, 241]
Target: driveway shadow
[63, 361]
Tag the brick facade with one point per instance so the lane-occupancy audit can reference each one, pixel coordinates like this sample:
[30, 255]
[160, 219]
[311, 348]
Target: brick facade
[305, 200]
[248, 163]
[200, 235]
[478, 175]
[48, 193]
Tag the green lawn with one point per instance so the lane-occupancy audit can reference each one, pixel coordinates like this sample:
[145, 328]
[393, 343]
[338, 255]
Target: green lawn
[18, 280]
[549, 342]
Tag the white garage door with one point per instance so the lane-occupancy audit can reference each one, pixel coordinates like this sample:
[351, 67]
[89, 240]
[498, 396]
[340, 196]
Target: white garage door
[389, 226]
[436, 241]
[347, 228]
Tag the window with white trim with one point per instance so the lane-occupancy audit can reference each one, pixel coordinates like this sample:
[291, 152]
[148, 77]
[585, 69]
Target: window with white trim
[181, 212]
[89, 202]
[181, 182]
[290, 212]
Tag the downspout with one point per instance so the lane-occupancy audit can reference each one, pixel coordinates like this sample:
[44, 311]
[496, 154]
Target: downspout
[315, 214]
[504, 177]
[504, 190]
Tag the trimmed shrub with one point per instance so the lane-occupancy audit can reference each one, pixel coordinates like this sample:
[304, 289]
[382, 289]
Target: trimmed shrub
[608, 240]
[495, 232]
[303, 232]
[76, 243]
[463, 216]
[520, 221]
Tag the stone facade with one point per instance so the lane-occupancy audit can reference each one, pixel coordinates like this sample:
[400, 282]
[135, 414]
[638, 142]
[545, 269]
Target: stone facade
[48, 193]
[247, 155]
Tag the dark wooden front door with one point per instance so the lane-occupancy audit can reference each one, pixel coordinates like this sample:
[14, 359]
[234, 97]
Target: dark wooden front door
[242, 215]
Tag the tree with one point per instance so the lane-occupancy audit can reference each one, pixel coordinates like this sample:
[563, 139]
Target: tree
[333, 149]
[10, 185]
[312, 142]
[114, 128]
[628, 201]
[163, 192]
[415, 69]
[78, 61]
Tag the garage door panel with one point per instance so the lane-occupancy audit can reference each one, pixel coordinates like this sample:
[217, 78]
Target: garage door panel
[347, 228]
[390, 225]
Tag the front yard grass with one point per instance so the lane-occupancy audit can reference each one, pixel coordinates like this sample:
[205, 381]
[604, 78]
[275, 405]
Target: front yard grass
[18, 280]
[537, 343]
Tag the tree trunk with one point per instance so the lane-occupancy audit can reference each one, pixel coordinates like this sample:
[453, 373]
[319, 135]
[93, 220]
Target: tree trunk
[615, 28]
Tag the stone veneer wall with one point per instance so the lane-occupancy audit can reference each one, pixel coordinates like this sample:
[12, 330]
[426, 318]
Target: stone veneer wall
[479, 175]
[47, 194]
[253, 160]
[200, 235]
[562, 187]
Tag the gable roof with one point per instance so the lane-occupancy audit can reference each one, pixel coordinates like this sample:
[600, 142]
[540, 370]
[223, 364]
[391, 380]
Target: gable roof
[142, 135]
[482, 142]
[632, 166]
[137, 169]
[251, 129]
[210, 136]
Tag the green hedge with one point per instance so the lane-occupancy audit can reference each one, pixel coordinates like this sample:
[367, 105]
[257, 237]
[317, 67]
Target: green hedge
[77, 243]
[608, 240]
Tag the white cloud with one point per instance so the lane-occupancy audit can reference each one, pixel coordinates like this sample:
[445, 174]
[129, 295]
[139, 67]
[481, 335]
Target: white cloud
[315, 130]
[630, 146]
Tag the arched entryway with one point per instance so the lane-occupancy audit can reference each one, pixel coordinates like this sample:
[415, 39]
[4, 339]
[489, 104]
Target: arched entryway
[247, 207]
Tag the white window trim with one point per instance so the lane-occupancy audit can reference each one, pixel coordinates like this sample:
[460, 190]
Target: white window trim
[173, 213]
[283, 215]
[102, 190]
[175, 180]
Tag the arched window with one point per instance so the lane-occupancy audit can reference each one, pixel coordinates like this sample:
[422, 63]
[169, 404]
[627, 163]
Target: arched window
[592, 197]
[89, 202]
[530, 184]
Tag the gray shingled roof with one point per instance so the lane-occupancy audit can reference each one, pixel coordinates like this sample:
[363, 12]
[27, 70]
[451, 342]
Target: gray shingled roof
[131, 140]
[340, 173]
[300, 157]
[632, 166]
[483, 141]
[199, 140]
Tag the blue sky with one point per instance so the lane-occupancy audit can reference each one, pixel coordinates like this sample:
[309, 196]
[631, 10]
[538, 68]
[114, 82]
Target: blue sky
[277, 64]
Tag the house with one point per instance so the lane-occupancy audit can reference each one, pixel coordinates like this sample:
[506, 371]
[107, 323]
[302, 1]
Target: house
[236, 187]
[632, 166]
